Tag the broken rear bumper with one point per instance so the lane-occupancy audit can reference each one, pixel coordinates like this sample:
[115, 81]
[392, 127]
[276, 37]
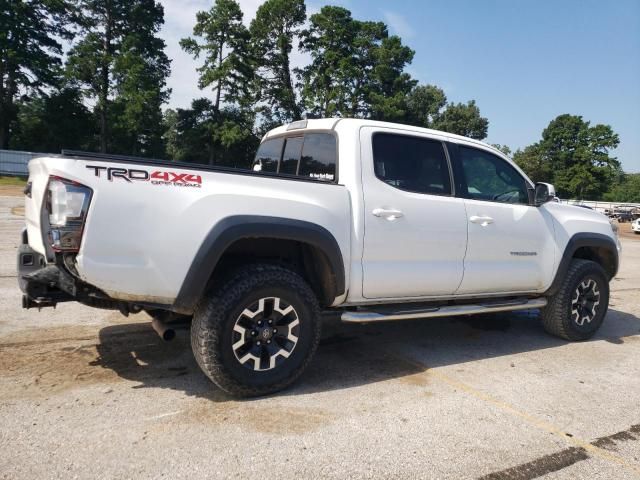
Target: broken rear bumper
[42, 285]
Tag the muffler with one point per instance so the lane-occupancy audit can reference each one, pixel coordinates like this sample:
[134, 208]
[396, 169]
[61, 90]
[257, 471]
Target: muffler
[165, 331]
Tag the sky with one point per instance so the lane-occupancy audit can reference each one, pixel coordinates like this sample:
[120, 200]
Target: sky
[524, 62]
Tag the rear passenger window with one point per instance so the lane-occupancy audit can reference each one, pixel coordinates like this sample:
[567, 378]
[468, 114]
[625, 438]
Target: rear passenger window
[318, 157]
[411, 163]
[268, 156]
[312, 155]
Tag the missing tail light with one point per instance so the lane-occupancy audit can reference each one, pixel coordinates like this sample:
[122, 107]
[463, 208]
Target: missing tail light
[67, 205]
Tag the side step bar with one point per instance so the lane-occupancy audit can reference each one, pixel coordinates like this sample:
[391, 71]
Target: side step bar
[444, 311]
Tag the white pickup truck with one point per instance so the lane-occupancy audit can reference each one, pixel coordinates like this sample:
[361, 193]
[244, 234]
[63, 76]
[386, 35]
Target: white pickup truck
[376, 220]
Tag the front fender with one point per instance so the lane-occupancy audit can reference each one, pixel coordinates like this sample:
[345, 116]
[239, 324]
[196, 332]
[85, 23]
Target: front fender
[596, 241]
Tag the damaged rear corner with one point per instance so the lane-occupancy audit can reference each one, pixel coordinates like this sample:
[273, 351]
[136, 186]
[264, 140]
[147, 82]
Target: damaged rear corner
[42, 285]
[47, 284]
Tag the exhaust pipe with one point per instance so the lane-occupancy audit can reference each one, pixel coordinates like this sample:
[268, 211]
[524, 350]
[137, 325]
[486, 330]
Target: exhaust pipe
[165, 331]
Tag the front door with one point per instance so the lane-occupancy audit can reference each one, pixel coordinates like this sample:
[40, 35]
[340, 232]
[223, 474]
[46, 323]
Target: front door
[415, 228]
[511, 243]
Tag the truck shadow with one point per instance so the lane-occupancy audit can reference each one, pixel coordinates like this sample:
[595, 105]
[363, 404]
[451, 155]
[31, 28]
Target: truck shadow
[349, 355]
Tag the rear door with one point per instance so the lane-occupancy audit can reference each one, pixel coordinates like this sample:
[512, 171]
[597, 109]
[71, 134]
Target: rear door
[510, 244]
[415, 228]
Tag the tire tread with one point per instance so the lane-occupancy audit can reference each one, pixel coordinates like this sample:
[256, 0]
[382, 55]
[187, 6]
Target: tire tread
[554, 316]
[210, 314]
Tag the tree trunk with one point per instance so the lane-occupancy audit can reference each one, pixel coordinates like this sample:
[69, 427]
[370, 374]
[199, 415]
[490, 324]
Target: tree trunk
[219, 88]
[104, 81]
[6, 107]
[354, 100]
[4, 130]
[293, 107]
[4, 125]
[4, 112]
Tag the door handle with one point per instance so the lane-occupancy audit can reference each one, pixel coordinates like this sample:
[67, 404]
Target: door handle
[389, 214]
[481, 219]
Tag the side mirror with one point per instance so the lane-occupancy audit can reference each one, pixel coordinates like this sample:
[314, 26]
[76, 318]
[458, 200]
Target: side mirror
[544, 192]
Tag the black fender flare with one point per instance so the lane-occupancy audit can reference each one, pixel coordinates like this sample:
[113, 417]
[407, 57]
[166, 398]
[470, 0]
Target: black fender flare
[233, 228]
[585, 239]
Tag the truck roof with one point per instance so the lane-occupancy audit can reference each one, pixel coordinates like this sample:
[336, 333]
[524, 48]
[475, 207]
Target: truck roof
[356, 123]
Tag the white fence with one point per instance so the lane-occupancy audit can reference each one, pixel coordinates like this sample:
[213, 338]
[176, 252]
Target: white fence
[602, 206]
[14, 162]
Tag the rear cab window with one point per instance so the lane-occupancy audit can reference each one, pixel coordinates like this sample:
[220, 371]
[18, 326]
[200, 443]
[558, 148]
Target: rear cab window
[268, 156]
[311, 155]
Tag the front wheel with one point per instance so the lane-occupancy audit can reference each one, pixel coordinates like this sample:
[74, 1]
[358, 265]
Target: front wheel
[255, 334]
[578, 308]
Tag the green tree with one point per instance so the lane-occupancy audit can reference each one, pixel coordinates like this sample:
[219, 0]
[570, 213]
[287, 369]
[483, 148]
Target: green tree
[575, 157]
[462, 119]
[503, 148]
[331, 83]
[578, 156]
[357, 70]
[274, 31]
[531, 161]
[90, 61]
[626, 189]
[170, 121]
[30, 52]
[53, 121]
[225, 48]
[205, 134]
[140, 73]
[424, 104]
[390, 83]
[120, 62]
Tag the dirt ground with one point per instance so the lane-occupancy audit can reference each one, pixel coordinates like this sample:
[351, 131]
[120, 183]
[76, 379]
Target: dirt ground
[87, 393]
[11, 190]
[624, 230]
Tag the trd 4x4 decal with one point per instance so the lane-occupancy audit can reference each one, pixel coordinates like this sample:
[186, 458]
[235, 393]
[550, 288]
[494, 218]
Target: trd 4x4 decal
[156, 178]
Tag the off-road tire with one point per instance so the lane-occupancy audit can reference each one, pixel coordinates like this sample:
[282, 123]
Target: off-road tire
[216, 316]
[557, 317]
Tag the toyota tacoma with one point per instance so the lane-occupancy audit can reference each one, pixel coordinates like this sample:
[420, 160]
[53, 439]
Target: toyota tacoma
[377, 221]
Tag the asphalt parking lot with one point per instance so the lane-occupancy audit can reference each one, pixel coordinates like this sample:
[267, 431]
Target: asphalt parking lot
[87, 393]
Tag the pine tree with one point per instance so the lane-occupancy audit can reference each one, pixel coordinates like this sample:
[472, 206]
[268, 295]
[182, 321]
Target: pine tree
[224, 47]
[357, 69]
[274, 32]
[120, 62]
[30, 51]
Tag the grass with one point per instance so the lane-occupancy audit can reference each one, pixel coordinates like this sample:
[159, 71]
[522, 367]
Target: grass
[17, 181]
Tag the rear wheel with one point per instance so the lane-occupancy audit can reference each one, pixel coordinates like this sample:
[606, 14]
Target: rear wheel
[577, 310]
[255, 334]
